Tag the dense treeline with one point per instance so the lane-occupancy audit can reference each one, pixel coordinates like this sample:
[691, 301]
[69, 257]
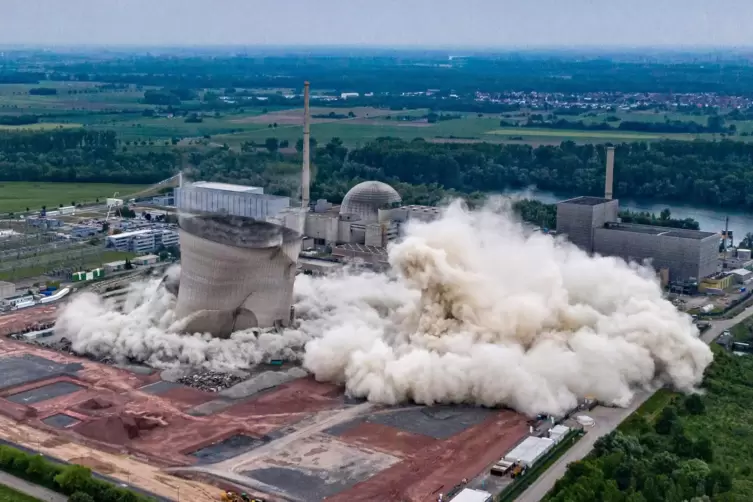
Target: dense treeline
[715, 125]
[545, 216]
[702, 172]
[415, 72]
[79, 155]
[693, 448]
[18, 120]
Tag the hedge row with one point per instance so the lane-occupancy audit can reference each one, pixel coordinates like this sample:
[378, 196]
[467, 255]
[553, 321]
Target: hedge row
[67, 479]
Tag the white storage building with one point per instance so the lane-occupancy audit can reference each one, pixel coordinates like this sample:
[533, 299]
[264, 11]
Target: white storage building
[741, 275]
[529, 450]
[471, 495]
[558, 432]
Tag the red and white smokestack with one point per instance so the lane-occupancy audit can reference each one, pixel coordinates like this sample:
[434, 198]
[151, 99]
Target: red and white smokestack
[306, 175]
[610, 173]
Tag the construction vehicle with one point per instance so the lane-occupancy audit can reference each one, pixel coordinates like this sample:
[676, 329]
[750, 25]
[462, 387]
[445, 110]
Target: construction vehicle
[238, 497]
[501, 468]
[517, 471]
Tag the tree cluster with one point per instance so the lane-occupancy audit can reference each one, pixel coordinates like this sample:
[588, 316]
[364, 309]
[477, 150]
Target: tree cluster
[69, 155]
[73, 480]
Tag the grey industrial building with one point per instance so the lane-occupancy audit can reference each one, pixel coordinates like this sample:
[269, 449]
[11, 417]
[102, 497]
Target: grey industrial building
[369, 216]
[592, 223]
[234, 200]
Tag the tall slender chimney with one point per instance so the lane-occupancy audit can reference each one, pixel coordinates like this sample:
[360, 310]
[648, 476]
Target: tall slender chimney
[306, 176]
[610, 173]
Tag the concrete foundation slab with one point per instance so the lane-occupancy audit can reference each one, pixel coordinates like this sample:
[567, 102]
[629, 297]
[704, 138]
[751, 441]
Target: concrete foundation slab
[45, 392]
[60, 421]
[28, 368]
[228, 448]
[318, 467]
[438, 422]
[158, 388]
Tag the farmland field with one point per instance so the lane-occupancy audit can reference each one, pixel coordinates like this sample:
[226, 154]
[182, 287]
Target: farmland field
[568, 134]
[42, 126]
[18, 195]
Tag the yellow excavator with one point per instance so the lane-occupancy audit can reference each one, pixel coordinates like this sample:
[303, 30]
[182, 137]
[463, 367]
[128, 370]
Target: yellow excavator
[238, 497]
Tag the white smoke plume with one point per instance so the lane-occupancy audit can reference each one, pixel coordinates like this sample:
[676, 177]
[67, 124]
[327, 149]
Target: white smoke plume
[475, 310]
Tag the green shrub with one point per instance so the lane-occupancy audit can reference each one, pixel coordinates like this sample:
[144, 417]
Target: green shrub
[73, 480]
[81, 497]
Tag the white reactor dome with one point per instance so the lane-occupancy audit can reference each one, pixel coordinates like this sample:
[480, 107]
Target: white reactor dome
[366, 199]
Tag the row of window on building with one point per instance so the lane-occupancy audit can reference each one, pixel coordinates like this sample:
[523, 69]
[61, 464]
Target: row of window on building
[143, 241]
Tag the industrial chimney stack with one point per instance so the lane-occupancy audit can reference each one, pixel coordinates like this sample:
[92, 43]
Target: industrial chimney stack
[610, 173]
[306, 176]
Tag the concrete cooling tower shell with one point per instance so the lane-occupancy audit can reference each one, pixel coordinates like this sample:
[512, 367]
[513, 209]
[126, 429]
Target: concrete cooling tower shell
[366, 199]
[236, 273]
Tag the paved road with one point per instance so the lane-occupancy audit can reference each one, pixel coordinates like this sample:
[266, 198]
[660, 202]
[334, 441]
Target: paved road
[607, 419]
[31, 489]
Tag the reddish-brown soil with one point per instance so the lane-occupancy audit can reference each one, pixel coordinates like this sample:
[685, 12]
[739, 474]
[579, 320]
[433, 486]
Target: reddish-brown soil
[443, 465]
[27, 318]
[387, 439]
[115, 416]
[305, 395]
[110, 398]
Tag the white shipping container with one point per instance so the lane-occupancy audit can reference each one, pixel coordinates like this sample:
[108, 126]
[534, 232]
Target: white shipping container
[529, 450]
[471, 495]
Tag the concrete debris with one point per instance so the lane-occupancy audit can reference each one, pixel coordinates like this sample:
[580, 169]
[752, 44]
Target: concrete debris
[210, 381]
[263, 381]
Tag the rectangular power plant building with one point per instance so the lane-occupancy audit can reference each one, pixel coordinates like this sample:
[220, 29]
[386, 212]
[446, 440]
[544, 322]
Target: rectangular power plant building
[686, 253]
[578, 217]
[592, 223]
[235, 200]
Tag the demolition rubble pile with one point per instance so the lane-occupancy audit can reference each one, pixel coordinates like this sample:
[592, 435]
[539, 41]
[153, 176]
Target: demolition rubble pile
[210, 381]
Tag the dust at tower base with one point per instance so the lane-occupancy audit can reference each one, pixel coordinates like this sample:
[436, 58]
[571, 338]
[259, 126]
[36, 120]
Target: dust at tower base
[236, 273]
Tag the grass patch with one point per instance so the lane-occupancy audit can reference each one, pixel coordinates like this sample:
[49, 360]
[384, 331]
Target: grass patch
[565, 133]
[87, 263]
[648, 411]
[41, 126]
[16, 196]
[10, 495]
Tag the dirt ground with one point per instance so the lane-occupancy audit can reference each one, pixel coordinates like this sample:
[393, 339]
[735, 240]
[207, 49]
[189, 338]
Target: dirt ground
[122, 467]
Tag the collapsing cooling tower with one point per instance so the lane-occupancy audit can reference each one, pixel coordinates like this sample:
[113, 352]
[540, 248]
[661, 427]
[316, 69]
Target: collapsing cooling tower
[236, 273]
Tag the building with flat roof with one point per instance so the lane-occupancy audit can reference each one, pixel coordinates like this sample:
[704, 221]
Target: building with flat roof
[684, 253]
[592, 223]
[143, 241]
[578, 217]
[234, 200]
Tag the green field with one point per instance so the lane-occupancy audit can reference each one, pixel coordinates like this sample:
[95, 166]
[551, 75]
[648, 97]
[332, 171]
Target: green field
[568, 134]
[86, 263]
[42, 126]
[10, 495]
[16, 196]
[82, 103]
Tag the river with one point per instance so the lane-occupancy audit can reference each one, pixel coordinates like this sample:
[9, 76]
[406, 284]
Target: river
[711, 220]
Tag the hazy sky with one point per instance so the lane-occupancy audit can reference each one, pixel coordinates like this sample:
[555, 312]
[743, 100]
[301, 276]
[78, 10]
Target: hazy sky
[488, 23]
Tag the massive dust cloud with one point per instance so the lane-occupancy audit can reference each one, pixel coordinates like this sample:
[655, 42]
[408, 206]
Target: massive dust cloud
[475, 310]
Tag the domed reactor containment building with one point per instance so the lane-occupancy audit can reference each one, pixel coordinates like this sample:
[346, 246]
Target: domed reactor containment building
[363, 201]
